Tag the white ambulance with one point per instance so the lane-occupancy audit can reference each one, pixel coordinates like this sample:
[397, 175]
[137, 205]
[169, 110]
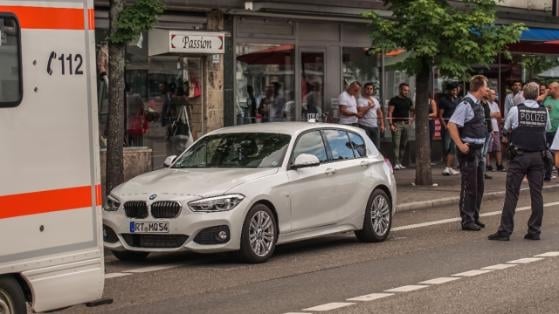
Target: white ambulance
[51, 253]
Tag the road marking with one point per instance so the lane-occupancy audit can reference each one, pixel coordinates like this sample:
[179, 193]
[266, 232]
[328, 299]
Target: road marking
[427, 283]
[115, 275]
[548, 254]
[407, 288]
[371, 297]
[328, 307]
[438, 281]
[527, 260]
[499, 266]
[449, 220]
[472, 273]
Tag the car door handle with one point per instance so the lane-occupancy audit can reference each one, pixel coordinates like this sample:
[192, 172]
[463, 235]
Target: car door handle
[365, 163]
[330, 171]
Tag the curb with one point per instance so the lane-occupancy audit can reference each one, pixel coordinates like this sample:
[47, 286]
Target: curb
[456, 199]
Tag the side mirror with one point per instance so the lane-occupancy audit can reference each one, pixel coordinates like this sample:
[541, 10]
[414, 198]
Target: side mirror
[169, 160]
[305, 160]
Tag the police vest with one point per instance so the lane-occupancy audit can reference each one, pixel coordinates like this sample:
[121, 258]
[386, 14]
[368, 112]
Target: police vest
[530, 134]
[475, 128]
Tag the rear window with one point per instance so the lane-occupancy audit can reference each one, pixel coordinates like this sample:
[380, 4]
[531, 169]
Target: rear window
[10, 62]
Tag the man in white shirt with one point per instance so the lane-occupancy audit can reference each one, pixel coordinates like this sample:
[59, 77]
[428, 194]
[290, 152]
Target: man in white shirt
[347, 103]
[509, 100]
[372, 117]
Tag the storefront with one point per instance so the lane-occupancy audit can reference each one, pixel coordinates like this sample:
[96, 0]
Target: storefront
[293, 69]
[179, 61]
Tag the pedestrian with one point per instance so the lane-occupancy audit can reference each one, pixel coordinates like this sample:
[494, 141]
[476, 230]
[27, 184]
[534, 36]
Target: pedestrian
[525, 125]
[400, 116]
[372, 119]
[251, 104]
[551, 102]
[495, 134]
[181, 132]
[468, 131]
[487, 113]
[347, 102]
[516, 87]
[433, 114]
[447, 105]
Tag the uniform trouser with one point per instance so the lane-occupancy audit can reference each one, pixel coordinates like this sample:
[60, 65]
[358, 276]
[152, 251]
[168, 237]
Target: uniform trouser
[471, 193]
[400, 141]
[532, 166]
[373, 134]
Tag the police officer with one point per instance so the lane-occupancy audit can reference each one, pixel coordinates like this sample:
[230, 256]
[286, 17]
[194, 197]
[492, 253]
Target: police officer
[526, 125]
[468, 131]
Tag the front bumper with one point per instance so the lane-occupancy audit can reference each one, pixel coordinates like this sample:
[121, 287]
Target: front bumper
[183, 232]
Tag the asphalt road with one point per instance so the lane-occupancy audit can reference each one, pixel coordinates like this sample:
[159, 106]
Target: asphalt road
[434, 268]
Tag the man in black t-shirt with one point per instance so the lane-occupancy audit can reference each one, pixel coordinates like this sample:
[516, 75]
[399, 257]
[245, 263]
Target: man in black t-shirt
[447, 105]
[400, 116]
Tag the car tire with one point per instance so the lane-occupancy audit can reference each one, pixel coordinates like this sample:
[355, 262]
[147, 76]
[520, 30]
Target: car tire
[130, 256]
[259, 235]
[12, 298]
[378, 218]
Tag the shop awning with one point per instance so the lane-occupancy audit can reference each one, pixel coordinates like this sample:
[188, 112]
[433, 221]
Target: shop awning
[539, 34]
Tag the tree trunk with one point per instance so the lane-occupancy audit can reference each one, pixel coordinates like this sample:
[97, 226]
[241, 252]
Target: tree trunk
[115, 136]
[422, 141]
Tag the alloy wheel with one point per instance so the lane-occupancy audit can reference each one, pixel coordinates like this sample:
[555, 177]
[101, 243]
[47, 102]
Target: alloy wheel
[380, 215]
[261, 233]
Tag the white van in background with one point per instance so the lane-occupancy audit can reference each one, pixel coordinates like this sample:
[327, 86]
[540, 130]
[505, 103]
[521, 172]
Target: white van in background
[51, 253]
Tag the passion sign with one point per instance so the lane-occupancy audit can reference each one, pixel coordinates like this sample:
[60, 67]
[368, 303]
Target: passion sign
[196, 42]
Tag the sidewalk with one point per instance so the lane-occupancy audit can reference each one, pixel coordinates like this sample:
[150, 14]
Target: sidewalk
[448, 190]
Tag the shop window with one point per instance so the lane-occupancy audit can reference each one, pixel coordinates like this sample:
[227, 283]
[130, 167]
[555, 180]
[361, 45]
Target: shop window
[359, 64]
[10, 62]
[265, 83]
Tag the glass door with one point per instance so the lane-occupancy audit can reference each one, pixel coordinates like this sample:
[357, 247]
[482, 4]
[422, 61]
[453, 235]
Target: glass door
[312, 85]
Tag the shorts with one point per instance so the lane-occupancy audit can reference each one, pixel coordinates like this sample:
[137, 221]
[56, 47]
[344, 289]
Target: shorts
[494, 142]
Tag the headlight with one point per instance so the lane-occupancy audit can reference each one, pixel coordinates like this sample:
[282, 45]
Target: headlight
[112, 204]
[216, 203]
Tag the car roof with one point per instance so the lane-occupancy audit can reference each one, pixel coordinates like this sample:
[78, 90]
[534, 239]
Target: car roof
[290, 128]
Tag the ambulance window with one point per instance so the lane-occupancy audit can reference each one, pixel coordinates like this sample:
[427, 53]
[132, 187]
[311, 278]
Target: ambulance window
[10, 62]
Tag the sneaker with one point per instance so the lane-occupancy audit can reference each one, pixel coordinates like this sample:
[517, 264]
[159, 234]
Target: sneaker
[489, 168]
[501, 168]
[397, 167]
[454, 172]
[446, 171]
[402, 166]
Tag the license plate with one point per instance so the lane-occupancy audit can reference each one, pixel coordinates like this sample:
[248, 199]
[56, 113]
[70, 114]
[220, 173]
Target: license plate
[149, 227]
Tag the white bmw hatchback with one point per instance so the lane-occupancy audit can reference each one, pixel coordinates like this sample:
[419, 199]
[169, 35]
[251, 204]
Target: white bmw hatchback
[249, 188]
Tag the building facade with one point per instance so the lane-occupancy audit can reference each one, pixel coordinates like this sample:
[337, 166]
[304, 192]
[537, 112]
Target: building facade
[286, 60]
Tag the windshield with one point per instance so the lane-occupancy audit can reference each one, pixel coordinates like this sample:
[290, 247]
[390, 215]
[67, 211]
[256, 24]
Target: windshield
[236, 150]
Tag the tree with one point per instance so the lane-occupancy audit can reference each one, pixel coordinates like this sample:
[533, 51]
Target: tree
[127, 22]
[452, 37]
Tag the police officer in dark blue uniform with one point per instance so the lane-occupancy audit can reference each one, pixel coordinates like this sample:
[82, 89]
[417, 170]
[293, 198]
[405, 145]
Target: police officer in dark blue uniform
[526, 125]
[468, 130]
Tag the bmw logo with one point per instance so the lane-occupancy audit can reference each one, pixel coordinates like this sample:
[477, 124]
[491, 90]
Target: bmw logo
[152, 197]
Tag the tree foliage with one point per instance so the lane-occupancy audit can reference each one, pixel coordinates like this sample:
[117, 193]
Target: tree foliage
[452, 37]
[135, 19]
